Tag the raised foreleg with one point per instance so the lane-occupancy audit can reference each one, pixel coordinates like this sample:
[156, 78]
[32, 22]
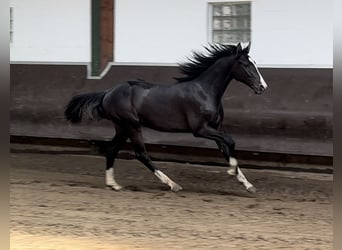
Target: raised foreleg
[227, 146]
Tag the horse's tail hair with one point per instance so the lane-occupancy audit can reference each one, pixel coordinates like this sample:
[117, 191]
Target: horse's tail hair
[88, 105]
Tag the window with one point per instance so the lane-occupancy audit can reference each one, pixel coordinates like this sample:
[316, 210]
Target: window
[11, 24]
[230, 22]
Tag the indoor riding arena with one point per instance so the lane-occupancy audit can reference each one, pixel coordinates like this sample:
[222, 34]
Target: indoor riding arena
[60, 191]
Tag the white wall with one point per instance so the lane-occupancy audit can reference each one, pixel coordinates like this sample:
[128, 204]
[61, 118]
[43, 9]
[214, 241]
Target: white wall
[51, 31]
[160, 31]
[291, 33]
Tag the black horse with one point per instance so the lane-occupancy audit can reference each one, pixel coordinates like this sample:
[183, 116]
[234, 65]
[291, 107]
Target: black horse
[191, 105]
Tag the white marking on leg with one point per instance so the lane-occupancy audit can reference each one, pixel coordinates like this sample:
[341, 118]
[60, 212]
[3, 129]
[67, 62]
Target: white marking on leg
[233, 165]
[262, 81]
[242, 178]
[166, 180]
[233, 162]
[110, 181]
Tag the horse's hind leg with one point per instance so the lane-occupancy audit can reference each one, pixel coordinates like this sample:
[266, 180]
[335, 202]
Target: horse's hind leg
[111, 153]
[141, 154]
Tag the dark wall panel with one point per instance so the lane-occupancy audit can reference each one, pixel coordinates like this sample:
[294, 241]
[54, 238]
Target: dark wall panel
[296, 106]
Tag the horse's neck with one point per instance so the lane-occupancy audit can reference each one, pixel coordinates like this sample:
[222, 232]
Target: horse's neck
[216, 79]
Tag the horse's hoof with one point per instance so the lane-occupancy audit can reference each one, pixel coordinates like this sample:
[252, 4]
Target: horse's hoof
[251, 189]
[114, 187]
[176, 188]
[231, 171]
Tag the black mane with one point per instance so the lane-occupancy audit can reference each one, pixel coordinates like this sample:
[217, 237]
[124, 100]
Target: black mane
[199, 62]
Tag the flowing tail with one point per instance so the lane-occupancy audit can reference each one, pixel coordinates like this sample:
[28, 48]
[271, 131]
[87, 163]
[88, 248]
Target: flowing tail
[88, 105]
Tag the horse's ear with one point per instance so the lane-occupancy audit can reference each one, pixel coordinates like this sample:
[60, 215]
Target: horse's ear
[239, 49]
[248, 47]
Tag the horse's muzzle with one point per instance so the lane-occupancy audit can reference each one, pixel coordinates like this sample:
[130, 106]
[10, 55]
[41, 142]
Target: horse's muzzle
[261, 89]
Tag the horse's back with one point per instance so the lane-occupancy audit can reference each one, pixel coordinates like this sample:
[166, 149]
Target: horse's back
[123, 101]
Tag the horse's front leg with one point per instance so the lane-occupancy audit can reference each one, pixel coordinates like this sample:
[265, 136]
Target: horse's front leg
[228, 150]
[227, 146]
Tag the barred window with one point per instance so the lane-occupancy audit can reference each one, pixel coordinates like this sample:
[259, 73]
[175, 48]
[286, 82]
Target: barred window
[230, 22]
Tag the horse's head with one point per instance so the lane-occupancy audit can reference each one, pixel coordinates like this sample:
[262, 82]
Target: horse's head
[246, 71]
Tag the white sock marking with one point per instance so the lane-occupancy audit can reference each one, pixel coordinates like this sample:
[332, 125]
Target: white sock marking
[233, 164]
[166, 180]
[242, 178]
[110, 181]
